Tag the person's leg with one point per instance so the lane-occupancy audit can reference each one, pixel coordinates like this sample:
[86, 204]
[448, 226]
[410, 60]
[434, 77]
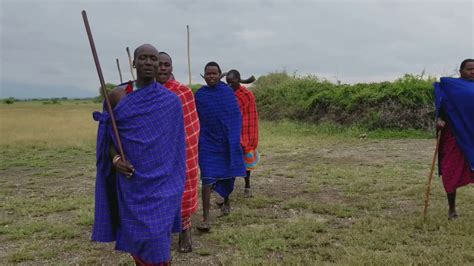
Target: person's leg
[206, 200]
[185, 243]
[247, 191]
[225, 209]
[140, 262]
[224, 188]
[247, 179]
[452, 205]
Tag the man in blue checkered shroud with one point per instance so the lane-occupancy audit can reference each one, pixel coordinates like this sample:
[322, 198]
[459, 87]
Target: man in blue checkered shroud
[220, 153]
[138, 200]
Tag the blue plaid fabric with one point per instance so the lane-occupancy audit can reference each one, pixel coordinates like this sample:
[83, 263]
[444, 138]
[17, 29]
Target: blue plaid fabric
[220, 153]
[140, 213]
[223, 186]
[455, 97]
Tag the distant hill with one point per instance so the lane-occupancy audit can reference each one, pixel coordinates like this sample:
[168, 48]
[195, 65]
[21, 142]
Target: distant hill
[28, 91]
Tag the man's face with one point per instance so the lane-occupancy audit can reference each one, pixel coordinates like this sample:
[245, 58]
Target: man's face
[232, 81]
[468, 71]
[212, 75]
[146, 63]
[165, 68]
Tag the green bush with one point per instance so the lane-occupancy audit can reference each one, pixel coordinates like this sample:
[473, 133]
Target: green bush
[195, 87]
[402, 104]
[109, 87]
[9, 100]
[52, 101]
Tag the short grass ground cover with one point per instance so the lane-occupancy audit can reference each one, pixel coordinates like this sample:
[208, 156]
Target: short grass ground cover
[322, 195]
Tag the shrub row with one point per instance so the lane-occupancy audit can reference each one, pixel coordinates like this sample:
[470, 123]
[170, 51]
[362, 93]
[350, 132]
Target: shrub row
[406, 103]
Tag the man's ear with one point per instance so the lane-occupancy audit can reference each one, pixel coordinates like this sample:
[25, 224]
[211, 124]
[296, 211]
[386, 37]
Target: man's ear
[133, 64]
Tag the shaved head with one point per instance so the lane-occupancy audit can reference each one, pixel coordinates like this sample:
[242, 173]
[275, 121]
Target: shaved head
[144, 46]
[146, 62]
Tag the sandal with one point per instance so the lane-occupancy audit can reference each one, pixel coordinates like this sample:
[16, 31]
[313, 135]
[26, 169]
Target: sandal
[247, 193]
[452, 216]
[225, 210]
[204, 227]
[189, 247]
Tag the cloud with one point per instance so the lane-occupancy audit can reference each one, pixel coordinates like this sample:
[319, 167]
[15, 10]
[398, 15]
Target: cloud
[254, 35]
[45, 43]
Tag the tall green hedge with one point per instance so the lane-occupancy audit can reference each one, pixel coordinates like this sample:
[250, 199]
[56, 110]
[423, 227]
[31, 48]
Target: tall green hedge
[195, 87]
[402, 104]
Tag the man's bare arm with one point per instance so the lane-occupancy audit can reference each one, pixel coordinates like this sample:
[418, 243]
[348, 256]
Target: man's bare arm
[123, 166]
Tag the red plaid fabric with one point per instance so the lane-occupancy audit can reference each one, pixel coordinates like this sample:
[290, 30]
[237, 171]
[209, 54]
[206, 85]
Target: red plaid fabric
[454, 168]
[185, 222]
[248, 109]
[129, 87]
[191, 124]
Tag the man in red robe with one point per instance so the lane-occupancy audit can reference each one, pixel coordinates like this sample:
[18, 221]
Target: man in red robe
[249, 134]
[191, 124]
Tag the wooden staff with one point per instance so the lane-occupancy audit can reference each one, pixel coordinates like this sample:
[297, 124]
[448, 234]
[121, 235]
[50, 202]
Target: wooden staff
[189, 58]
[130, 62]
[120, 72]
[102, 85]
[430, 177]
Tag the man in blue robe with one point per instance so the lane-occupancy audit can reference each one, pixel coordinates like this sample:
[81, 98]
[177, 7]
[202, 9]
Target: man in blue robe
[220, 153]
[454, 99]
[138, 200]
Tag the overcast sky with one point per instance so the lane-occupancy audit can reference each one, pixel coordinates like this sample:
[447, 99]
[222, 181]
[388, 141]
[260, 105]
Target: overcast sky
[44, 44]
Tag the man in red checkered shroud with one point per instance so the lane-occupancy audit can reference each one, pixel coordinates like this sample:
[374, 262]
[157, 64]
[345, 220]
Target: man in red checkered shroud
[249, 134]
[191, 123]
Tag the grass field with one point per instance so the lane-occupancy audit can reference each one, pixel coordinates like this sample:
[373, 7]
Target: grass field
[321, 196]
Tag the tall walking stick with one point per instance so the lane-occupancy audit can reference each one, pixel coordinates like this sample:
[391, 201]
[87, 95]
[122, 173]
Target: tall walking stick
[430, 177]
[102, 84]
[120, 72]
[189, 57]
[130, 62]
